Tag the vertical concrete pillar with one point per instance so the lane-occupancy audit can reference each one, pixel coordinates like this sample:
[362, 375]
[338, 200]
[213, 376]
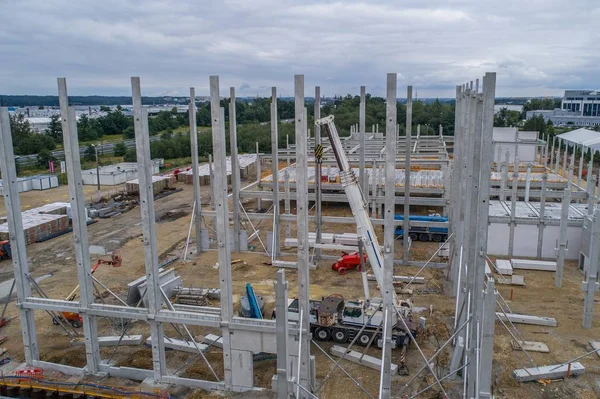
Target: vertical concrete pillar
[302, 229]
[513, 208]
[485, 312]
[504, 177]
[258, 176]
[275, 172]
[287, 203]
[565, 157]
[318, 173]
[590, 284]
[14, 219]
[211, 175]
[79, 222]
[364, 182]
[542, 220]
[222, 226]
[552, 153]
[281, 326]
[235, 170]
[456, 227]
[374, 177]
[564, 220]
[406, 221]
[153, 293]
[389, 231]
[557, 164]
[591, 186]
[195, 174]
[580, 172]
[527, 182]
[590, 169]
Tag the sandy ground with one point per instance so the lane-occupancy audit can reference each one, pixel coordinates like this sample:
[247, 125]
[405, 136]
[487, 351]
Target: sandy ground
[123, 233]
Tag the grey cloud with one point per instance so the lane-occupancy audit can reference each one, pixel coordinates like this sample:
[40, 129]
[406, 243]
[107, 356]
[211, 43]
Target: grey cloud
[433, 45]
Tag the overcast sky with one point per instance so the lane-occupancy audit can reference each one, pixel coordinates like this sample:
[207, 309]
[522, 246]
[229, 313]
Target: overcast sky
[537, 47]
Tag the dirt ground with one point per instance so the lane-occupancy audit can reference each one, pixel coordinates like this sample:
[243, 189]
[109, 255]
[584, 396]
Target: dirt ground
[123, 233]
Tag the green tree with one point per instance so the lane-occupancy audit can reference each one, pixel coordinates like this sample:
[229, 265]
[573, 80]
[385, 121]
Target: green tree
[130, 155]
[506, 118]
[120, 149]
[20, 128]
[536, 123]
[45, 156]
[90, 153]
[104, 108]
[54, 128]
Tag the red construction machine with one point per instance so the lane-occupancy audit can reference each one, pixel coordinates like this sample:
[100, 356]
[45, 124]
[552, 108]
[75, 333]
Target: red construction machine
[348, 262]
[74, 318]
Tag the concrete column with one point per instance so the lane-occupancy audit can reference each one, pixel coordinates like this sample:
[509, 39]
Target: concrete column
[580, 172]
[318, 169]
[566, 155]
[222, 227]
[476, 271]
[235, 170]
[287, 203]
[211, 175]
[485, 311]
[258, 176]
[542, 221]
[456, 227]
[498, 159]
[14, 219]
[153, 293]
[590, 285]
[564, 219]
[504, 177]
[552, 154]
[195, 173]
[302, 229]
[590, 171]
[513, 207]
[487, 340]
[591, 186]
[389, 231]
[527, 182]
[364, 182]
[557, 164]
[287, 150]
[281, 326]
[79, 223]
[275, 171]
[406, 221]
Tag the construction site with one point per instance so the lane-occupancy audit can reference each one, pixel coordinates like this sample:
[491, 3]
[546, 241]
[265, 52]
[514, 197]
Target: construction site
[357, 264]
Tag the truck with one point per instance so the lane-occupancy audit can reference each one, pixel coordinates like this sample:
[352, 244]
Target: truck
[435, 234]
[338, 319]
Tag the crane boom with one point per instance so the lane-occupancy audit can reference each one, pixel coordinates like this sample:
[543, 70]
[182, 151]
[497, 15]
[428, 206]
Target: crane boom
[357, 202]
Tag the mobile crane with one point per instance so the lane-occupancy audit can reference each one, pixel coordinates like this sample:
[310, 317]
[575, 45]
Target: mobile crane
[340, 320]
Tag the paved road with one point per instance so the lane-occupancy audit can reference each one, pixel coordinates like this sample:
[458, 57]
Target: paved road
[108, 148]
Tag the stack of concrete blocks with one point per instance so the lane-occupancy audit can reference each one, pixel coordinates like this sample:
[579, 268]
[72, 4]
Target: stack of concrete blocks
[41, 223]
[159, 184]
[504, 267]
[247, 163]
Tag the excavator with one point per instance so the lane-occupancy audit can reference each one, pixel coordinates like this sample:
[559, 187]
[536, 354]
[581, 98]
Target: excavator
[74, 318]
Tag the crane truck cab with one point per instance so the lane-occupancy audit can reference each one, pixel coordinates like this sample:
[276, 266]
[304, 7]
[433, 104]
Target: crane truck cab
[334, 318]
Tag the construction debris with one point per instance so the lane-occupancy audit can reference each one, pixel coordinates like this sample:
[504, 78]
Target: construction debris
[196, 296]
[526, 319]
[548, 372]
[504, 267]
[530, 346]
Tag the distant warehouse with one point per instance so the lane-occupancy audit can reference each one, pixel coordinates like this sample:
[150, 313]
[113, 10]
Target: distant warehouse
[578, 107]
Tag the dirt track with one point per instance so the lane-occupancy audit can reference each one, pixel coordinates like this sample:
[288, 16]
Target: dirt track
[123, 233]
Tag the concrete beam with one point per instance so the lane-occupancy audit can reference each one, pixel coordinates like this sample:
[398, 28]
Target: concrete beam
[526, 319]
[548, 372]
[357, 357]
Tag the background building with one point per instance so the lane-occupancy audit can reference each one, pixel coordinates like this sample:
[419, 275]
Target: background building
[578, 107]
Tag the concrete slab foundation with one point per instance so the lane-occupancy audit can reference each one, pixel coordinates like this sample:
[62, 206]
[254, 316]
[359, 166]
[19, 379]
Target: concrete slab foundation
[530, 346]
